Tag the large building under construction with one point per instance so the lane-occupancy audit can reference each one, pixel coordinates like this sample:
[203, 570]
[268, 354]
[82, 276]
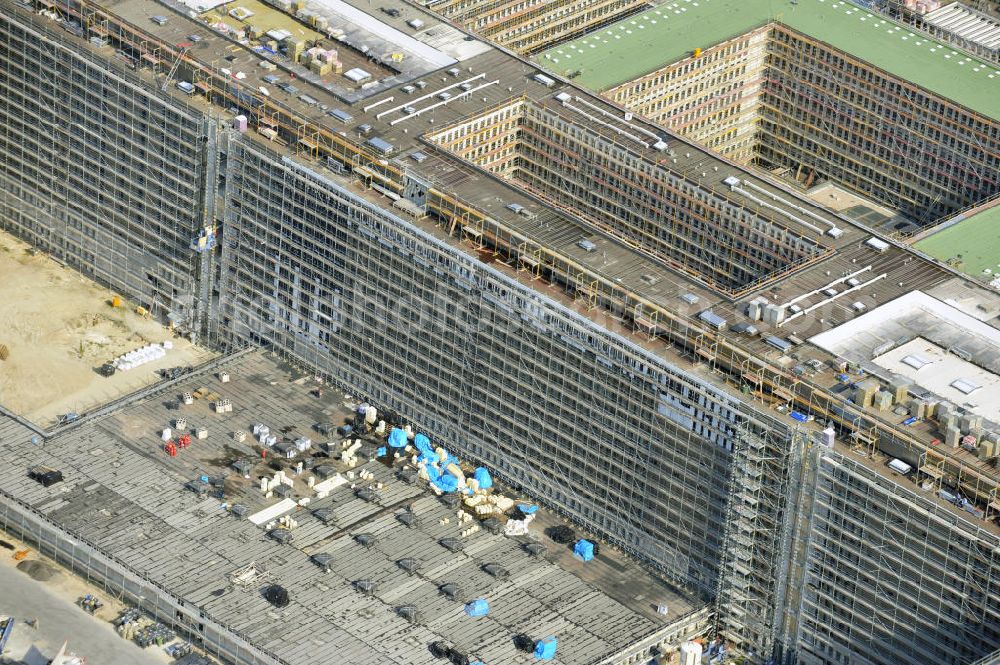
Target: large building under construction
[686, 357]
[825, 90]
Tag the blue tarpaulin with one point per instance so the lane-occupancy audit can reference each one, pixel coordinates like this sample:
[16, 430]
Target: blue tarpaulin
[584, 549]
[477, 608]
[446, 483]
[545, 649]
[527, 508]
[381, 452]
[397, 438]
[433, 473]
[429, 456]
[482, 477]
[422, 443]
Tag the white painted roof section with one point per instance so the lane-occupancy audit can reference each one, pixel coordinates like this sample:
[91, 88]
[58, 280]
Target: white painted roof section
[452, 42]
[949, 377]
[903, 306]
[967, 23]
[202, 6]
[929, 365]
[330, 484]
[338, 11]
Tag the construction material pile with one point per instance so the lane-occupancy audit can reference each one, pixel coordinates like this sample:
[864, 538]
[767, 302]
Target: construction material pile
[141, 356]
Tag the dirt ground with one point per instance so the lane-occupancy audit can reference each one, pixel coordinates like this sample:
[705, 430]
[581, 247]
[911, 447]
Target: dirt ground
[52, 604]
[59, 328]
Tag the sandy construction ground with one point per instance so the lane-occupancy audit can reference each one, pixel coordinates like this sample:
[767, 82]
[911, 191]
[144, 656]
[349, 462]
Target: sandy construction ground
[59, 328]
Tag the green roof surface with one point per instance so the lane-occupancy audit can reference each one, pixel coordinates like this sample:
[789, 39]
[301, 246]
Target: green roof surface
[645, 42]
[976, 239]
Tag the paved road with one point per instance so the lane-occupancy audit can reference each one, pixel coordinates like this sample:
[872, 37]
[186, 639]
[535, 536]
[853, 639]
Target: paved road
[59, 619]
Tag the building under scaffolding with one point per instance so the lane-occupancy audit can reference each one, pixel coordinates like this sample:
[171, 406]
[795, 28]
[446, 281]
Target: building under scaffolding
[101, 174]
[527, 301]
[528, 26]
[824, 91]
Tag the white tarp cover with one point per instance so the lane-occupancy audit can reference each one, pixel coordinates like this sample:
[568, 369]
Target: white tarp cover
[275, 511]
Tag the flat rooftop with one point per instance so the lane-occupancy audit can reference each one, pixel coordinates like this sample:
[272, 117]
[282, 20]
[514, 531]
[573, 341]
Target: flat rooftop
[559, 232]
[931, 342]
[970, 244]
[943, 373]
[645, 42]
[123, 494]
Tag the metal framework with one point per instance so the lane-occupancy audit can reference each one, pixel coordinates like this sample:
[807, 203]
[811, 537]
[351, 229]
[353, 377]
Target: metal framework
[897, 578]
[687, 471]
[787, 101]
[528, 26]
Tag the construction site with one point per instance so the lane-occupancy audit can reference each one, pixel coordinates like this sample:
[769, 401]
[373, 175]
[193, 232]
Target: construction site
[618, 324]
[819, 91]
[60, 328]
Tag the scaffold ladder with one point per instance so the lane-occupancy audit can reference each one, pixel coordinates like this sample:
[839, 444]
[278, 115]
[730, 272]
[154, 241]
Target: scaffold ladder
[183, 49]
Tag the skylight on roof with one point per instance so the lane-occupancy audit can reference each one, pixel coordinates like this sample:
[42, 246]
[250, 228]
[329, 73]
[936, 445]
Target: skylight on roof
[965, 386]
[916, 362]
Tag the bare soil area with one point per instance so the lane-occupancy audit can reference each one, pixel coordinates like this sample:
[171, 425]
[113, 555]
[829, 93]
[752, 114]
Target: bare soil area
[59, 328]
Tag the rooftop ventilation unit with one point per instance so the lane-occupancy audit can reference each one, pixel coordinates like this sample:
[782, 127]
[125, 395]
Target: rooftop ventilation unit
[407, 518]
[340, 115]
[915, 361]
[410, 565]
[323, 560]
[878, 245]
[547, 81]
[357, 75]
[451, 590]
[365, 539]
[408, 612]
[452, 544]
[965, 386]
[281, 535]
[496, 571]
[384, 147]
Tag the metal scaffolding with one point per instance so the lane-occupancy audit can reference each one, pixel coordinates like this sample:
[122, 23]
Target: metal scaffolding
[532, 26]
